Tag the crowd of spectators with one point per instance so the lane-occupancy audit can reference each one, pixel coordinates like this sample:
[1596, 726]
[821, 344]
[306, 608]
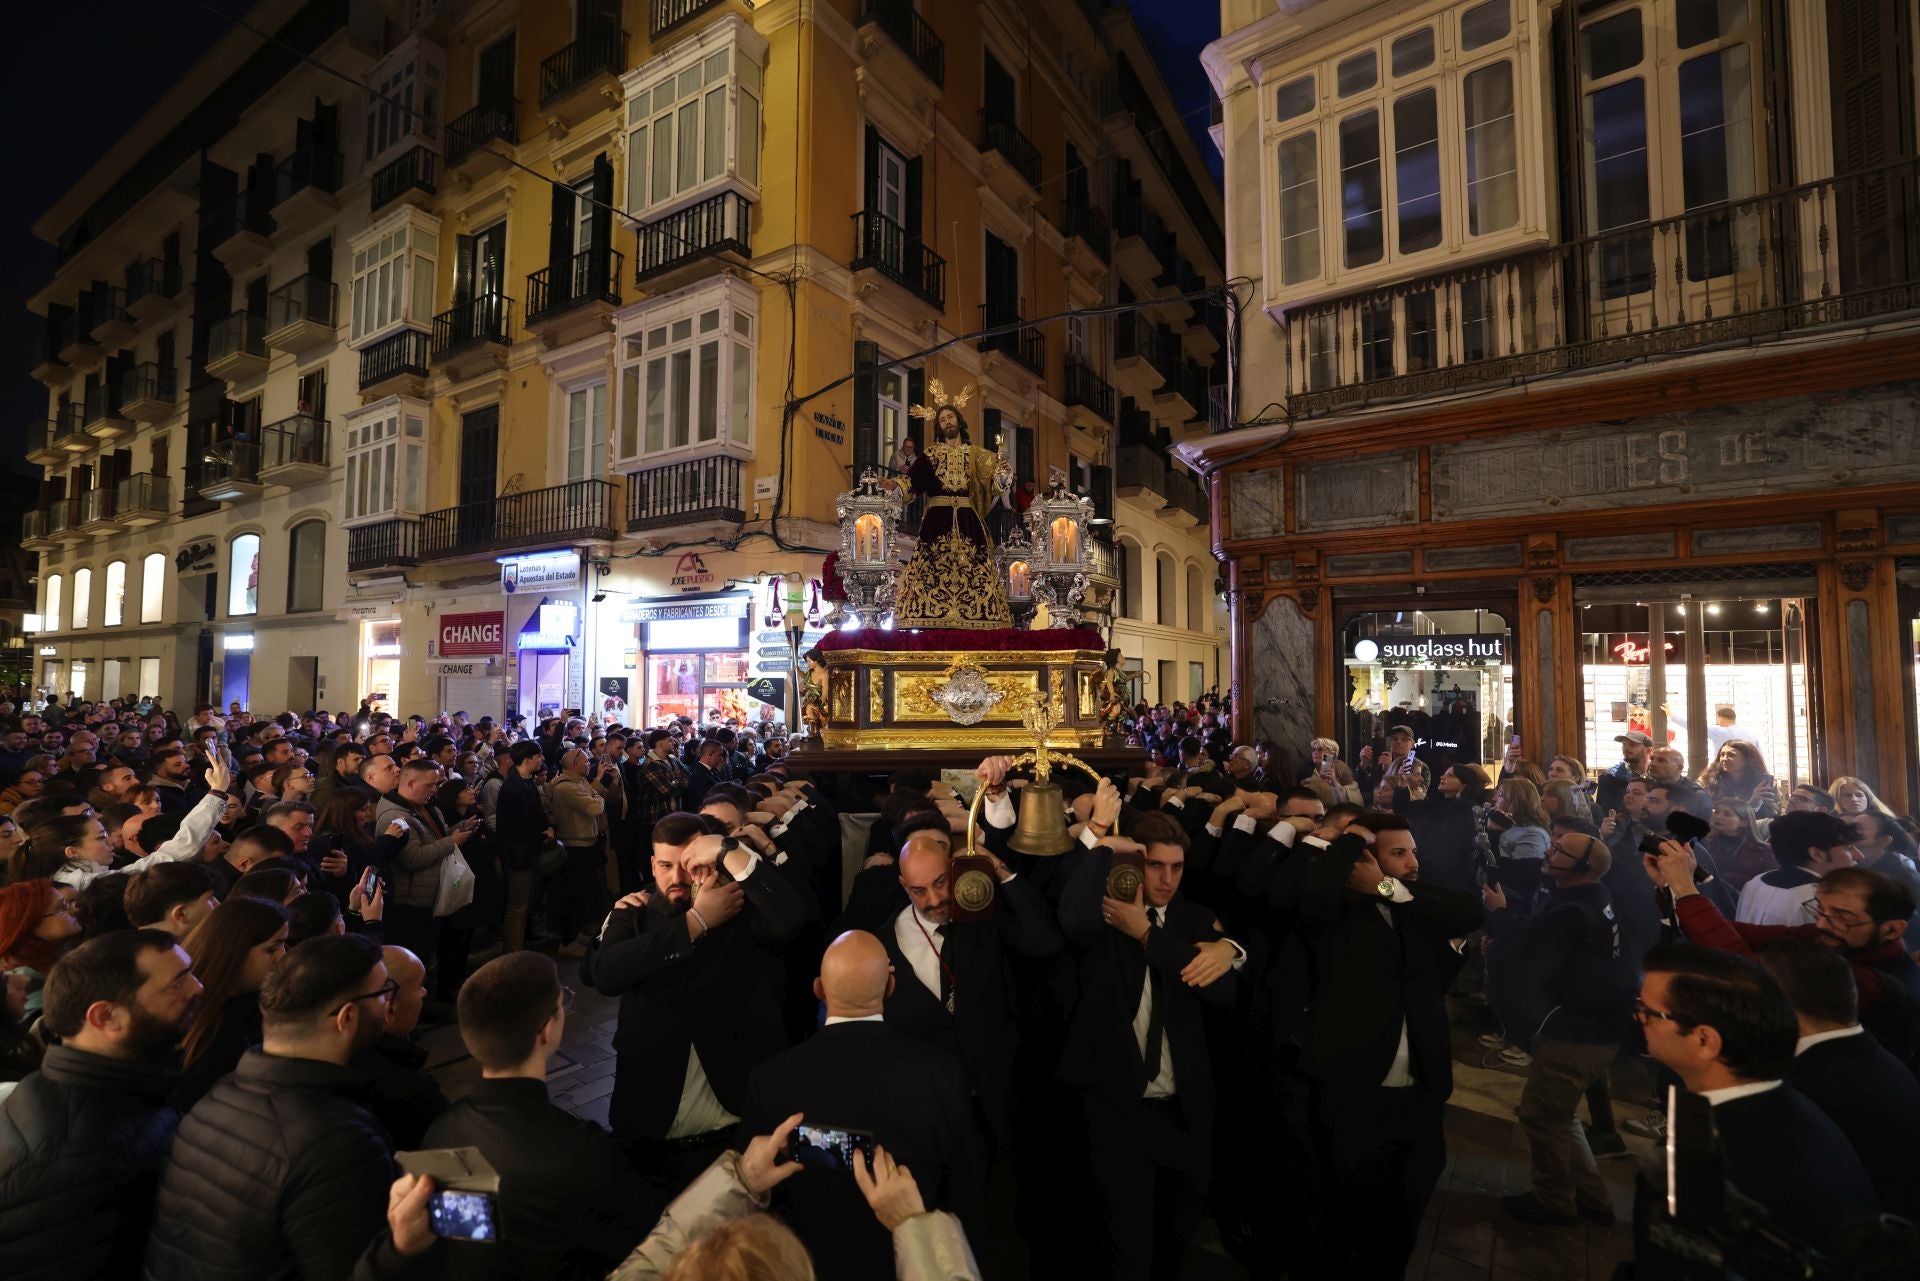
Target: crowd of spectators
[849, 1046]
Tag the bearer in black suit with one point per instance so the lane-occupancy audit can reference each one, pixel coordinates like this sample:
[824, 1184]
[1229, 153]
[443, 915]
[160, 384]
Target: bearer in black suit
[1847, 1073]
[1727, 1031]
[951, 988]
[1367, 1091]
[696, 965]
[1136, 1046]
[861, 1073]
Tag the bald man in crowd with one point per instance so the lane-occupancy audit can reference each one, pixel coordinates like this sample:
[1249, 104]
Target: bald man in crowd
[404, 1094]
[951, 986]
[859, 1073]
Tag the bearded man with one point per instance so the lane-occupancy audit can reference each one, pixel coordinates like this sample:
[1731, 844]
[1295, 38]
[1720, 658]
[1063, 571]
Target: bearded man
[952, 580]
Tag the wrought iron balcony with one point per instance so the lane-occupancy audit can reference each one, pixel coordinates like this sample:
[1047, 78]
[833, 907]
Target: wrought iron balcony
[1827, 254]
[692, 492]
[885, 246]
[579, 510]
[295, 451]
[237, 346]
[1140, 238]
[387, 364]
[1085, 223]
[152, 285]
[599, 52]
[1088, 389]
[143, 499]
[104, 417]
[721, 224]
[228, 472]
[486, 123]
[999, 134]
[388, 544]
[590, 276]
[664, 15]
[482, 319]
[414, 174]
[914, 36]
[300, 313]
[1026, 345]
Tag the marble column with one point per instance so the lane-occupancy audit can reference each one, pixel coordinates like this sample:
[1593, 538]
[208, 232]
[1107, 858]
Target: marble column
[1280, 664]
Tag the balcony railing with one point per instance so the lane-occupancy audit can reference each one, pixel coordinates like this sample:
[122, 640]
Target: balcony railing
[599, 52]
[581, 509]
[40, 439]
[299, 441]
[33, 527]
[1085, 223]
[416, 170]
[1138, 467]
[999, 133]
[1180, 277]
[485, 123]
[482, 319]
[234, 462]
[401, 353]
[685, 493]
[719, 224]
[152, 280]
[1132, 217]
[151, 383]
[1026, 345]
[388, 543]
[1834, 252]
[304, 298]
[884, 245]
[96, 507]
[592, 275]
[1136, 336]
[69, 424]
[240, 333]
[142, 493]
[110, 309]
[1084, 387]
[912, 33]
[249, 211]
[309, 167]
[63, 514]
[665, 15]
[102, 403]
[1183, 492]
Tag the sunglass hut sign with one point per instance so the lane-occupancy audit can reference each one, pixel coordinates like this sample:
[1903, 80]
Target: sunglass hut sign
[1434, 649]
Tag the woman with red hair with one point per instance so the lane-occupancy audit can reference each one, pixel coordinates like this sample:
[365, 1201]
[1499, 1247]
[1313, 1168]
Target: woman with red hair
[36, 923]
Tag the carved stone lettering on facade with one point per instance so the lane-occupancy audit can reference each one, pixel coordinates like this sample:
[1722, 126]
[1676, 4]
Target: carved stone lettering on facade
[1868, 436]
[1356, 493]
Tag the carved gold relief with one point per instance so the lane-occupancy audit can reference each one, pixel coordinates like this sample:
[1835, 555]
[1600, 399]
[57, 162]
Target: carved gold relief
[876, 695]
[840, 696]
[1089, 701]
[913, 702]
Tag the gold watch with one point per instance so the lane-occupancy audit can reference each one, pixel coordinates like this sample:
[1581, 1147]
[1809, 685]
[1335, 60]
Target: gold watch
[1385, 887]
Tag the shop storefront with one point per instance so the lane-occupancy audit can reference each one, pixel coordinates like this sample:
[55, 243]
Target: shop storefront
[1442, 673]
[545, 612]
[234, 683]
[380, 654]
[470, 662]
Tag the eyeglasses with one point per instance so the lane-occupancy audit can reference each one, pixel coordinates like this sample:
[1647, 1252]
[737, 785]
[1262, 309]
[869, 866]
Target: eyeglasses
[1839, 920]
[1642, 1011]
[386, 993]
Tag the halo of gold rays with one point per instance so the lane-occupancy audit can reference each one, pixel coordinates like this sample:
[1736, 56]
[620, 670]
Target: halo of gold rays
[938, 399]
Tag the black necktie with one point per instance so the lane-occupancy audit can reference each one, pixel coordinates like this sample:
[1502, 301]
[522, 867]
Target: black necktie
[1156, 1007]
[946, 974]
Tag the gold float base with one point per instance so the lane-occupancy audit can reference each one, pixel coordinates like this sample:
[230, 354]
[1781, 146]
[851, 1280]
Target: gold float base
[881, 699]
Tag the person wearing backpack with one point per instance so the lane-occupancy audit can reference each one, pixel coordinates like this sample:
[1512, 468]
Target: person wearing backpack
[1573, 998]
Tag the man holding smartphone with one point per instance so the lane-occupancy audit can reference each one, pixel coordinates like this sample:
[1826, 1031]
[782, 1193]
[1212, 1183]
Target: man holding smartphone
[579, 799]
[429, 841]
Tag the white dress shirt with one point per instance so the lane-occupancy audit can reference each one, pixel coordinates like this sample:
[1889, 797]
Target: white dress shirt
[1727, 1094]
[1806, 1043]
[1400, 1071]
[854, 1018]
[1162, 1086]
[700, 1111]
[921, 950]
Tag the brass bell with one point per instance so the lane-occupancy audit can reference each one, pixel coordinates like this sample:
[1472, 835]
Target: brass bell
[1042, 828]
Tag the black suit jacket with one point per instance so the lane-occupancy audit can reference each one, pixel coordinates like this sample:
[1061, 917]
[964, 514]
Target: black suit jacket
[913, 1100]
[571, 1205]
[720, 995]
[1782, 1151]
[982, 1030]
[1876, 1103]
[1367, 975]
[1101, 1052]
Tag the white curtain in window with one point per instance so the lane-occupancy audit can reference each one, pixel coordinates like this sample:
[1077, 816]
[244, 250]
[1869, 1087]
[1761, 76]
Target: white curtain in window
[114, 607]
[243, 576]
[153, 586]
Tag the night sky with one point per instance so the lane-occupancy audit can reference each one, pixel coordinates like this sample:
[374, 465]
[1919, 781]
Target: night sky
[81, 74]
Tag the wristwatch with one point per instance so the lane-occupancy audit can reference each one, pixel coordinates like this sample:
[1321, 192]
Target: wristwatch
[1385, 887]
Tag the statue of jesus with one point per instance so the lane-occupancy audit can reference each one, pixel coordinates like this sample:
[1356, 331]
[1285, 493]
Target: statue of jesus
[952, 579]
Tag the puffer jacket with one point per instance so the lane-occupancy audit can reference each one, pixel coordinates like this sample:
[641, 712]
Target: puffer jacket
[928, 1247]
[415, 873]
[81, 1144]
[278, 1173]
[576, 806]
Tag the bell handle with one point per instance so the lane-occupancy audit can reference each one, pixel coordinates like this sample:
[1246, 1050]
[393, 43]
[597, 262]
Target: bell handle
[1024, 758]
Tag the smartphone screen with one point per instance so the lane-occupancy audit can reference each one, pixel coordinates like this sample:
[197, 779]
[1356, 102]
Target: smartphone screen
[367, 882]
[462, 1216]
[819, 1147]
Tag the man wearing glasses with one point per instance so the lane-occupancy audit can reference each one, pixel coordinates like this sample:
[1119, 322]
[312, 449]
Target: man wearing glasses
[1858, 913]
[1572, 983]
[1725, 1028]
[278, 1170]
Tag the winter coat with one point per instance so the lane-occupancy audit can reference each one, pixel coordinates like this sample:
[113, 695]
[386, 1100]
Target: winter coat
[81, 1145]
[576, 806]
[278, 1173]
[415, 878]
